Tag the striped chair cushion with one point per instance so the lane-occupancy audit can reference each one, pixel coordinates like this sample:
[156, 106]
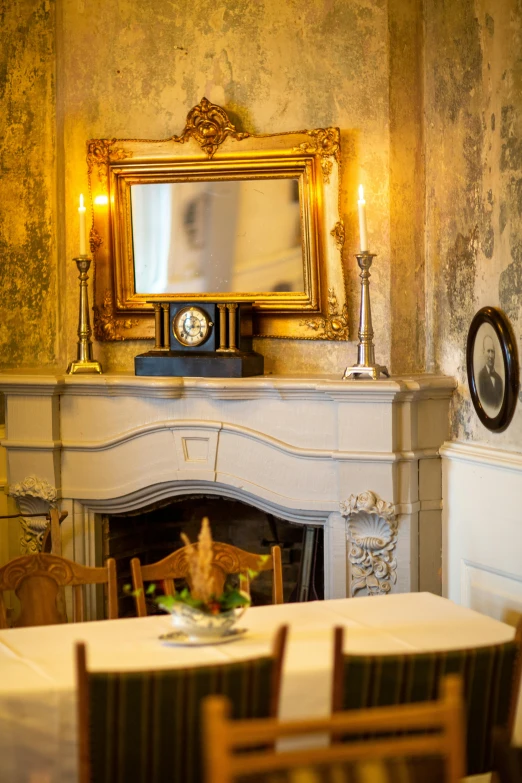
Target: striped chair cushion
[145, 727]
[421, 770]
[488, 672]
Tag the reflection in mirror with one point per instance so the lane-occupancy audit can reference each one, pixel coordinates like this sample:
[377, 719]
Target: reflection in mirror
[219, 236]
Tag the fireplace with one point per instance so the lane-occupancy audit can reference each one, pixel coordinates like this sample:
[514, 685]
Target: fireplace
[358, 460]
[153, 533]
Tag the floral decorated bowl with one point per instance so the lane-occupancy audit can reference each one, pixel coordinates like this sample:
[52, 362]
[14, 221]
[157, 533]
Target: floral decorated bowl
[202, 625]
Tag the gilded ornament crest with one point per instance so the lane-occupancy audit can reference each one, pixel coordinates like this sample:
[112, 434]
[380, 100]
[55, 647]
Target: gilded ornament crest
[106, 325]
[326, 143]
[323, 141]
[335, 325]
[337, 233]
[101, 152]
[209, 125]
[95, 240]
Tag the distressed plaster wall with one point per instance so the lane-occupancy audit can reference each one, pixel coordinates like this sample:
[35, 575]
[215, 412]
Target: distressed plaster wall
[473, 185]
[135, 69]
[77, 69]
[29, 306]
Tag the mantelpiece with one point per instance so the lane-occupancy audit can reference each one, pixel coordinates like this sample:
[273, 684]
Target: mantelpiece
[359, 458]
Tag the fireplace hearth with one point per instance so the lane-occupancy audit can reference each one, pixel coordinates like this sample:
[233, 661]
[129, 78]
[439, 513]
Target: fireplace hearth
[153, 533]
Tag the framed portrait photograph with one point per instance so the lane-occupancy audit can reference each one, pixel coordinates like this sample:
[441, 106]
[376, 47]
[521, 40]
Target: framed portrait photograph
[492, 366]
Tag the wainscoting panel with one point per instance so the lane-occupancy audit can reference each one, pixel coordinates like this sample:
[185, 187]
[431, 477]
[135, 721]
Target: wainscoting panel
[482, 528]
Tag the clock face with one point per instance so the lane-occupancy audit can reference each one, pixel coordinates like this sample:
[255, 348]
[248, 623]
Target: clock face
[191, 326]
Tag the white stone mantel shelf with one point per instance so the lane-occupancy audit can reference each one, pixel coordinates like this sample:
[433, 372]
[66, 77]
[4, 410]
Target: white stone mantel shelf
[257, 387]
[294, 446]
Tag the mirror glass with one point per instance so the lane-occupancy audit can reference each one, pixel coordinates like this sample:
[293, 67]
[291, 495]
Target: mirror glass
[220, 236]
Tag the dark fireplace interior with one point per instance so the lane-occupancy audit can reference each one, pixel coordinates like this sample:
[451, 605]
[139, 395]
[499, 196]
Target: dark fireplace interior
[154, 532]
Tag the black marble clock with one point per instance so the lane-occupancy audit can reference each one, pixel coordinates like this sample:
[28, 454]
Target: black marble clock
[202, 339]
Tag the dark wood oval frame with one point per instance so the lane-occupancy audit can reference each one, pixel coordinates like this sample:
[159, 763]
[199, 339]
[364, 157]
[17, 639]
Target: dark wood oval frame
[501, 326]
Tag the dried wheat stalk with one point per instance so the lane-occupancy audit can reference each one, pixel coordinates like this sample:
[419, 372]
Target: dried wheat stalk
[200, 563]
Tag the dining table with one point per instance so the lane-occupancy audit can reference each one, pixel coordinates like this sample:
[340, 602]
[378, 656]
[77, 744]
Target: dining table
[38, 740]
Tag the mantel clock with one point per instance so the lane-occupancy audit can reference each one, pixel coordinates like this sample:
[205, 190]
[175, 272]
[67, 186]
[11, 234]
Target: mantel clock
[201, 338]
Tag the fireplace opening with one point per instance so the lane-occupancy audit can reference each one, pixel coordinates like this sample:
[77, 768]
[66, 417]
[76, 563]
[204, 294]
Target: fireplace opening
[153, 533]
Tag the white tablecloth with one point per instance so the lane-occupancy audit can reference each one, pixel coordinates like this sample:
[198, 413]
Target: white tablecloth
[37, 687]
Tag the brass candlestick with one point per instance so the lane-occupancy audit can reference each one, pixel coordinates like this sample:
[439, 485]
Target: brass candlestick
[84, 362]
[365, 350]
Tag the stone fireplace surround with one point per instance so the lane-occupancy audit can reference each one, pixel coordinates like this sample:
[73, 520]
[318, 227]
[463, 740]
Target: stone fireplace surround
[359, 458]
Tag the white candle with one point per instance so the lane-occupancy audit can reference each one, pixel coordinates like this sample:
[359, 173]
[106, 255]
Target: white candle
[83, 230]
[362, 220]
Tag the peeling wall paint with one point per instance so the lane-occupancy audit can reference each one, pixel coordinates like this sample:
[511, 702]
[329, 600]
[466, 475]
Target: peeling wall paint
[72, 71]
[28, 266]
[473, 142]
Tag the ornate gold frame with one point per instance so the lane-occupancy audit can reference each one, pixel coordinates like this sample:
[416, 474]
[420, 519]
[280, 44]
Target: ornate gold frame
[209, 148]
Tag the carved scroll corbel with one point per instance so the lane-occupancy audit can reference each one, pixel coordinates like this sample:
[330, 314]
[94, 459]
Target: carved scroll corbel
[33, 496]
[372, 533]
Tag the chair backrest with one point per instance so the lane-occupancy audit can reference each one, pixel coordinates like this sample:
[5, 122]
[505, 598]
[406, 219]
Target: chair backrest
[507, 758]
[145, 726]
[227, 559]
[401, 737]
[37, 581]
[491, 677]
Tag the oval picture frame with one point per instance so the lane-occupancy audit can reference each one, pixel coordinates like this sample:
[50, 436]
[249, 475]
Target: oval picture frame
[492, 368]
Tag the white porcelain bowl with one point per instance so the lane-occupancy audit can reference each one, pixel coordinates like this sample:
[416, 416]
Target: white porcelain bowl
[200, 625]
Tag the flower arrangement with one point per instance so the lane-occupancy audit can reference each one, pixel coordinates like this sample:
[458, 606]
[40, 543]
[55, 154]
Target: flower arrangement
[201, 594]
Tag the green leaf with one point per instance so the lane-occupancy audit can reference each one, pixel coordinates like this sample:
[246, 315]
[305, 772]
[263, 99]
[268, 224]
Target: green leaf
[232, 599]
[165, 602]
[151, 589]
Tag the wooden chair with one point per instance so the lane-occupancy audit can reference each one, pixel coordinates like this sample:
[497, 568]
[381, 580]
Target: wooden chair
[491, 680]
[408, 743]
[227, 560]
[145, 726]
[507, 758]
[37, 581]
[52, 540]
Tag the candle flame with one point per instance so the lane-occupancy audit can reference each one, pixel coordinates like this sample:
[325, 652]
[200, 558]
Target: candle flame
[82, 206]
[361, 194]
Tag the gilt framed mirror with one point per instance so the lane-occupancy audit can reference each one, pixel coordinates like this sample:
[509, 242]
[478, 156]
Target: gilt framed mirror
[219, 214]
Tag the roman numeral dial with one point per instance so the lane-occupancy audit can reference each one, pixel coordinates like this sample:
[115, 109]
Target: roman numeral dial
[191, 326]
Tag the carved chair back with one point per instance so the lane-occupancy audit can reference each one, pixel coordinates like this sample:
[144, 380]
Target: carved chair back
[38, 580]
[227, 559]
[395, 749]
